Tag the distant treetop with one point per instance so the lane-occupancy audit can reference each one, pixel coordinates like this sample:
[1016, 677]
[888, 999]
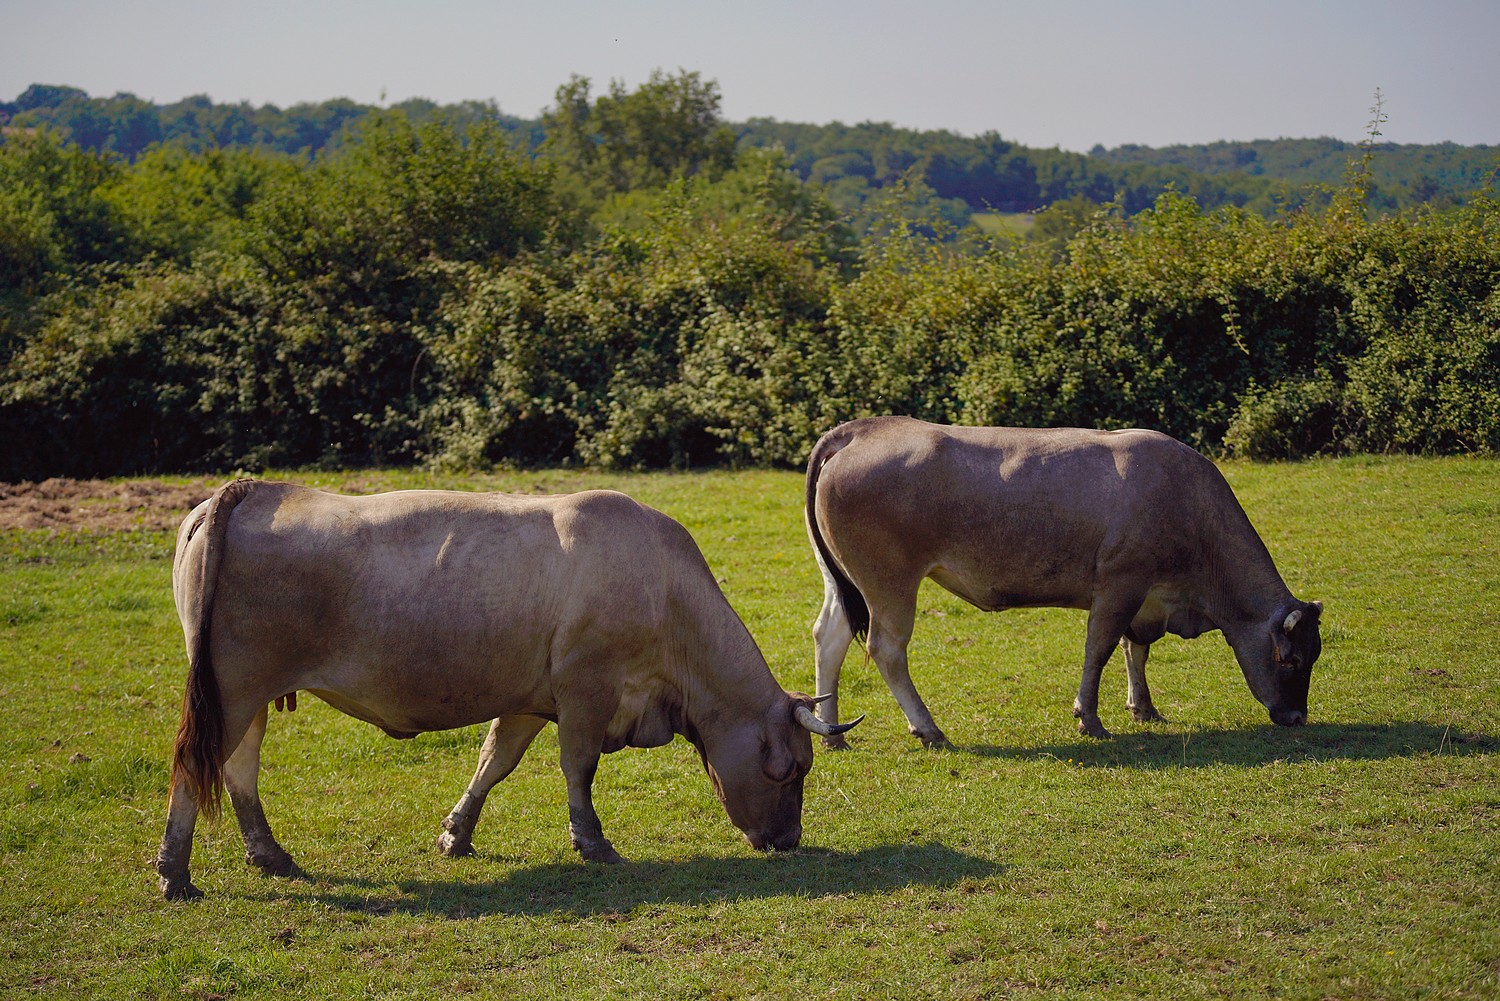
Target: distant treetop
[961, 174]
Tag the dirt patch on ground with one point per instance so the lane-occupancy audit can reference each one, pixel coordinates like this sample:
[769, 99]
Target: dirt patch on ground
[99, 505]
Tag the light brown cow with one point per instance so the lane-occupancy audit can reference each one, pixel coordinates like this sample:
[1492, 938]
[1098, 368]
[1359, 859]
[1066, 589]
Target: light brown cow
[1133, 526]
[427, 610]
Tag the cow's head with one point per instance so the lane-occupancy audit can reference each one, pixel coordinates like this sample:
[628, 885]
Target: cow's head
[1277, 658]
[757, 765]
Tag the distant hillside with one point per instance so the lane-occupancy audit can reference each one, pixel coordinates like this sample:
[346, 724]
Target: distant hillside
[1419, 173]
[127, 126]
[961, 174]
[987, 172]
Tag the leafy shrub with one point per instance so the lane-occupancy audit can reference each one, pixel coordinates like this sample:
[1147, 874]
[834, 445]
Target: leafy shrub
[425, 295]
[213, 367]
[689, 340]
[1291, 420]
[1431, 386]
[395, 196]
[523, 357]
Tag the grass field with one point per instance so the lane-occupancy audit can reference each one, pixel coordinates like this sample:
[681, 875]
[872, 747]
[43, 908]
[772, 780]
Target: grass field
[1215, 856]
[1013, 224]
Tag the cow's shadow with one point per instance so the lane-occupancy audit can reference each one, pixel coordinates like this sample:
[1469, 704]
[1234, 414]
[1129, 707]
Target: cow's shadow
[1149, 747]
[576, 888]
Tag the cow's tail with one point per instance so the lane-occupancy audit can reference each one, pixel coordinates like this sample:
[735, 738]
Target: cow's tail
[855, 608]
[199, 753]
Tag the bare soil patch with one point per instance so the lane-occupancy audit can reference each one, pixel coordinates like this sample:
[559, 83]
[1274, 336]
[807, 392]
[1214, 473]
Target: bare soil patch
[99, 505]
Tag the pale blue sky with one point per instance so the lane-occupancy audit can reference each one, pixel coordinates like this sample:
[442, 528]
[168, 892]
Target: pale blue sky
[1063, 73]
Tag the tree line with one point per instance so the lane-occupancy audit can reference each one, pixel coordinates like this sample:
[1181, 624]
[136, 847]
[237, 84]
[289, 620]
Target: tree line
[965, 174]
[636, 285]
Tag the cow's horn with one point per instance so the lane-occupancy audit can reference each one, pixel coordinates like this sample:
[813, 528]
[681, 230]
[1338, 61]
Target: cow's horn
[810, 722]
[1292, 618]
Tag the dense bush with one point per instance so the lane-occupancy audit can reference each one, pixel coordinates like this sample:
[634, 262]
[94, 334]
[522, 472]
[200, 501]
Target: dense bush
[426, 294]
[54, 219]
[1408, 345]
[300, 341]
[1162, 321]
[688, 340]
[212, 367]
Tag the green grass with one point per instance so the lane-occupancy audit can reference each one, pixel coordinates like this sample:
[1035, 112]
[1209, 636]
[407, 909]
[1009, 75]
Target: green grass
[1013, 224]
[1214, 856]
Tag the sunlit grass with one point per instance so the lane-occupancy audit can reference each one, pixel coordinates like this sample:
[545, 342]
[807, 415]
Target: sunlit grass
[1215, 855]
[1016, 225]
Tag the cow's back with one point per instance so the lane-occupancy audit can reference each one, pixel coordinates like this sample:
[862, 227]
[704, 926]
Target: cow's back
[391, 568]
[1006, 517]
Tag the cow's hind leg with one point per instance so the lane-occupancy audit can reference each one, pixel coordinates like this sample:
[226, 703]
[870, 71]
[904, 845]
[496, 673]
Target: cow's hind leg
[182, 808]
[177, 845]
[890, 632]
[1108, 620]
[831, 638]
[241, 775]
[1138, 694]
[507, 741]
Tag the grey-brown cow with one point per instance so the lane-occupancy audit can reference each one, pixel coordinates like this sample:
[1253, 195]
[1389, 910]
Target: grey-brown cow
[426, 610]
[1133, 526]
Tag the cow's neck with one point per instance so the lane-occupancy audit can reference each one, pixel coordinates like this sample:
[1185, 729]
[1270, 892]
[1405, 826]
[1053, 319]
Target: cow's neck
[1250, 588]
[724, 673]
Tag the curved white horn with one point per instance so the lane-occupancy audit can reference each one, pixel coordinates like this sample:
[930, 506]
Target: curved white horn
[1292, 618]
[810, 722]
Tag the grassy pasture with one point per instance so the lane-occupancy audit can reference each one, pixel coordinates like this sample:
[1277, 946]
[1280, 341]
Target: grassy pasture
[1213, 856]
[1013, 224]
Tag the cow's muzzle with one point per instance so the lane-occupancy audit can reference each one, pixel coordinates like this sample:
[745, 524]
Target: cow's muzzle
[785, 842]
[1288, 717]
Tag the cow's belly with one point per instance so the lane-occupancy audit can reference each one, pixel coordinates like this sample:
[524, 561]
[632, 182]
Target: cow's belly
[404, 679]
[435, 689]
[994, 593]
[413, 717]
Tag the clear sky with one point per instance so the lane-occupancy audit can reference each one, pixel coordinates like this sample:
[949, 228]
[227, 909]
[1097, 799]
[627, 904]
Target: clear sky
[1067, 73]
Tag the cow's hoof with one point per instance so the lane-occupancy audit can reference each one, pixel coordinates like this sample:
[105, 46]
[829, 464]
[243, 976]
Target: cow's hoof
[936, 740]
[454, 847]
[274, 863]
[179, 889]
[600, 851]
[1091, 727]
[836, 743]
[1147, 714]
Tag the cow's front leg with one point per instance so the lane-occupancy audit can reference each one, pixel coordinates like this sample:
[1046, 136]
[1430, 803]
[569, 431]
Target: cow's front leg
[1108, 620]
[1138, 694]
[241, 775]
[579, 745]
[507, 741]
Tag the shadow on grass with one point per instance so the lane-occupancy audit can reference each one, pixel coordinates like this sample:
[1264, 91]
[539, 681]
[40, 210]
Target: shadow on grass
[1261, 745]
[582, 889]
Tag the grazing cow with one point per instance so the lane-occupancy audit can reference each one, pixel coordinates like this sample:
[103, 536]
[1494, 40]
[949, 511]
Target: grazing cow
[426, 610]
[1133, 526]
